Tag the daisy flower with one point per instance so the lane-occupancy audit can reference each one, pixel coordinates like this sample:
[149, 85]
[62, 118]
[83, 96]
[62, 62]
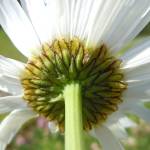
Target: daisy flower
[74, 76]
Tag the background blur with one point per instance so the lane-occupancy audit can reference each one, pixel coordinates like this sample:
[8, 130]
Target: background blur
[35, 135]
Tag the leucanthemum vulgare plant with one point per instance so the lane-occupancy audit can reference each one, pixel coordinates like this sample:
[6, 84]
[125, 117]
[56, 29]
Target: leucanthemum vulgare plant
[74, 75]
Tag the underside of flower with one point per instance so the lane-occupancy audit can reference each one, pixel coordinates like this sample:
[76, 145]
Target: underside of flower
[64, 61]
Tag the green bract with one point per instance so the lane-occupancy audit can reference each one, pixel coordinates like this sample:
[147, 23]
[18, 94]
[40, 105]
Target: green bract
[63, 62]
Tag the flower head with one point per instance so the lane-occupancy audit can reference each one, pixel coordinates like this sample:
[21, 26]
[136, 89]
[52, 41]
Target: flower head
[69, 41]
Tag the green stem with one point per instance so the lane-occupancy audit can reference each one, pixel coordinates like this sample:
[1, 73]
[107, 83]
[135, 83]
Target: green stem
[73, 117]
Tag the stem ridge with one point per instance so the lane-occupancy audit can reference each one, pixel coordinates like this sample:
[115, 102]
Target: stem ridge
[73, 117]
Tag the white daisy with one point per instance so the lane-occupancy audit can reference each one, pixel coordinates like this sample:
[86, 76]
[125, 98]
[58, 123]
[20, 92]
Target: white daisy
[75, 40]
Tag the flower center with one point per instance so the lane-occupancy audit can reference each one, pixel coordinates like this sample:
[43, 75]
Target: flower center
[64, 61]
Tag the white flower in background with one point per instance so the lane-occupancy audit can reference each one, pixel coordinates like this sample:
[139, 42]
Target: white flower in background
[75, 40]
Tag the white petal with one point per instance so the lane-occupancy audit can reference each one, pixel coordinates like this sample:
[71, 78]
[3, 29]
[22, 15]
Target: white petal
[18, 27]
[118, 124]
[119, 128]
[137, 91]
[115, 22]
[119, 131]
[53, 127]
[10, 103]
[137, 73]
[96, 21]
[10, 87]
[136, 69]
[12, 123]
[142, 112]
[2, 146]
[139, 110]
[107, 139]
[138, 56]
[9, 75]
[10, 67]
[114, 117]
[132, 24]
[44, 16]
[132, 18]
[79, 13]
[126, 122]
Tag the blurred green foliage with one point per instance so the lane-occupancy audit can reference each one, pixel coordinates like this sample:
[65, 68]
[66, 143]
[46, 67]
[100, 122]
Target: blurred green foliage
[8, 49]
